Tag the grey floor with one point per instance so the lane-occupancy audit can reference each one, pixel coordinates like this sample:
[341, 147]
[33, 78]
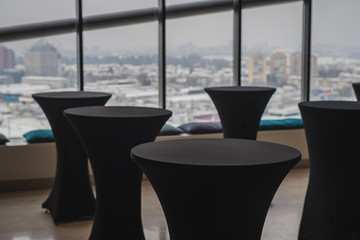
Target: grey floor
[21, 216]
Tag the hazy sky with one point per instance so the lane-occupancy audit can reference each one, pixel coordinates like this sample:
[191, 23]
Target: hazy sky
[334, 22]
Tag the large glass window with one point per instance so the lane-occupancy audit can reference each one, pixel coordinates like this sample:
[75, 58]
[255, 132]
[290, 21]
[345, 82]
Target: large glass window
[199, 55]
[25, 11]
[336, 49]
[123, 60]
[123, 63]
[28, 67]
[271, 56]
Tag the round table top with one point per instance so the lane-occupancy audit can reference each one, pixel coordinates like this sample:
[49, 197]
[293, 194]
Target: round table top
[215, 152]
[240, 89]
[71, 95]
[117, 112]
[332, 105]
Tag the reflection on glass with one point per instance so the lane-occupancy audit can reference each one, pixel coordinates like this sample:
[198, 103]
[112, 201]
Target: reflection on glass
[123, 64]
[199, 55]
[336, 45]
[271, 55]
[29, 67]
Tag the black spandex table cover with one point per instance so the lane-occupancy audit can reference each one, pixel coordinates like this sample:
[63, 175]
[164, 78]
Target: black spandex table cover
[240, 109]
[356, 87]
[215, 188]
[331, 208]
[108, 134]
[71, 198]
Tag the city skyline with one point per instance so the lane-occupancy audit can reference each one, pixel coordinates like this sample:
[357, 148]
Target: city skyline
[135, 83]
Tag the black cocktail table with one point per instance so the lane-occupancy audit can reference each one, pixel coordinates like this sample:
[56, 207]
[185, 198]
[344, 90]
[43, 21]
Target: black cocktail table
[240, 109]
[356, 87]
[71, 197]
[215, 188]
[108, 134]
[332, 203]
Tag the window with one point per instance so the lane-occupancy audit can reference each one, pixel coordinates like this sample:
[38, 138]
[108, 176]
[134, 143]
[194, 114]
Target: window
[24, 12]
[170, 2]
[271, 55]
[199, 55]
[336, 49]
[120, 56]
[32, 66]
[124, 63]
[94, 7]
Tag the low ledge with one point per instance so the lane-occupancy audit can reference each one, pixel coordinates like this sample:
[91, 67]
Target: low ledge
[32, 166]
[46, 135]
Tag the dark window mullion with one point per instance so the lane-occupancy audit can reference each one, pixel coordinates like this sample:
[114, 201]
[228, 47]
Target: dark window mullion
[162, 53]
[79, 45]
[306, 51]
[237, 43]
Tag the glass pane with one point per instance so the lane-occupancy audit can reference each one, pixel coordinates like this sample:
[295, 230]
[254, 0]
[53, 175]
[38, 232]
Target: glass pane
[272, 57]
[171, 2]
[123, 62]
[93, 7]
[28, 67]
[336, 45]
[25, 11]
[199, 55]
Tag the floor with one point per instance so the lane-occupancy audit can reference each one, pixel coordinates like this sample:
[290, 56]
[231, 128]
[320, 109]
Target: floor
[21, 217]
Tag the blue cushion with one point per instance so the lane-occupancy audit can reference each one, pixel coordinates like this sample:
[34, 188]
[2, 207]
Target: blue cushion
[39, 136]
[3, 139]
[288, 123]
[167, 130]
[201, 127]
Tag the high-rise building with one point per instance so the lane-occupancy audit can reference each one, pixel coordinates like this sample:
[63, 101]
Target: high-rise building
[257, 69]
[7, 58]
[278, 68]
[314, 66]
[42, 60]
[295, 64]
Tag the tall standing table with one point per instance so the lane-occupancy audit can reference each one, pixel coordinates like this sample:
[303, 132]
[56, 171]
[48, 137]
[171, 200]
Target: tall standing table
[240, 109]
[71, 197]
[108, 134]
[332, 203]
[215, 188]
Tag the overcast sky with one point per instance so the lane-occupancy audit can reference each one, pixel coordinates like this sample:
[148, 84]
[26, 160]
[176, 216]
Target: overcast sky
[334, 22]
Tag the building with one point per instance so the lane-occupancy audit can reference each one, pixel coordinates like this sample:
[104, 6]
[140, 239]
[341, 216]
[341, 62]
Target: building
[42, 60]
[295, 64]
[6, 80]
[257, 69]
[314, 66]
[52, 82]
[278, 69]
[7, 58]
